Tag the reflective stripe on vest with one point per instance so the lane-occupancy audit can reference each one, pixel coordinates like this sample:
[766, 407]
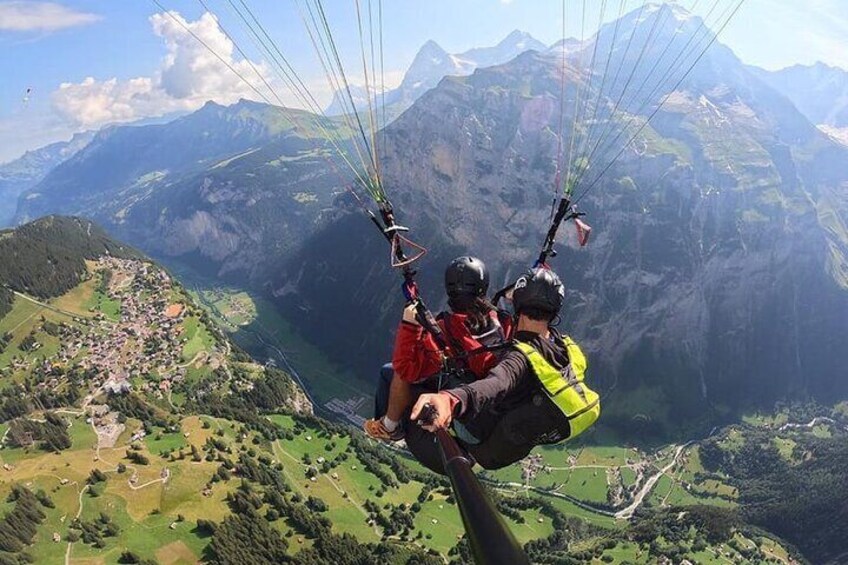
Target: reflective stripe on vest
[580, 404]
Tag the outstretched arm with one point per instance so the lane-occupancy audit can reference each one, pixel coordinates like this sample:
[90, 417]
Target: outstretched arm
[476, 397]
[471, 399]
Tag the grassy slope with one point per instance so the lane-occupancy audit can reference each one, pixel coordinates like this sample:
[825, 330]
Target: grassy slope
[145, 514]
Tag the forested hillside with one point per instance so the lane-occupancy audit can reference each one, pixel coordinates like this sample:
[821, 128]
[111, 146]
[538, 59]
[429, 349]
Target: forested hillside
[6, 298]
[46, 258]
[791, 475]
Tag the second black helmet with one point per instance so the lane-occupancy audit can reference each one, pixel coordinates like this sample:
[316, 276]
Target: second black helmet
[466, 278]
[539, 289]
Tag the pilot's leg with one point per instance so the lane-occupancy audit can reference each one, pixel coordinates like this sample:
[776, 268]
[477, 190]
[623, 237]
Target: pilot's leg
[424, 448]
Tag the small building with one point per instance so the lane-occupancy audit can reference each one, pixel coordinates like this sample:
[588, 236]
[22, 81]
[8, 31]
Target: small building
[174, 310]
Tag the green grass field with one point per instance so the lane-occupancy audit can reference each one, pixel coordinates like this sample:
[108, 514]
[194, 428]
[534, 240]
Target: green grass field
[144, 537]
[79, 300]
[82, 435]
[109, 307]
[626, 552]
[19, 322]
[734, 440]
[569, 508]
[160, 441]
[628, 476]
[440, 523]
[785, 447]
[586, 484]
[197, 336]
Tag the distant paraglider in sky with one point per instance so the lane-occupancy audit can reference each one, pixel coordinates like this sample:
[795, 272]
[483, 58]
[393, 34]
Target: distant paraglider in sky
[27, 95]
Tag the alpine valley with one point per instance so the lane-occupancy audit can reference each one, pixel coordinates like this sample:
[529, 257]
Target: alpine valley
[181, 368]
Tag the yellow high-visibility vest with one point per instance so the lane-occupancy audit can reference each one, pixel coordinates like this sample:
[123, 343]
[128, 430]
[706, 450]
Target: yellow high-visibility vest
[566, 389]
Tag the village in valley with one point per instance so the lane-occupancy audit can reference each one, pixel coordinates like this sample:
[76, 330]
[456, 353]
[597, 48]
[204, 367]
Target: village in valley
[132, 332]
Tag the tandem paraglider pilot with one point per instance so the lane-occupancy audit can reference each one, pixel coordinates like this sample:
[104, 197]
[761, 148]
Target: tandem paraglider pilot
[536, 395]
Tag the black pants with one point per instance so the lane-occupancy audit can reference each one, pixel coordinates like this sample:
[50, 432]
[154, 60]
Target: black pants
[381, 397]
[508, 437]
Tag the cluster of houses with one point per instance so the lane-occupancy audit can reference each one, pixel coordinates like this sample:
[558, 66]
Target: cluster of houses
[348, 409]
[145, 343]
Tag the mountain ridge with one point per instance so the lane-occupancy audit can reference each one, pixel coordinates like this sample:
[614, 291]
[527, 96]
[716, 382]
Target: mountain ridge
[19, 175]
[432, 63]
[819, 91]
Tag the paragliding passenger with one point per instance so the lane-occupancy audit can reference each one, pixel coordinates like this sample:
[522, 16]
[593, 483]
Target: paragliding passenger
[535, 395]
[417, 362]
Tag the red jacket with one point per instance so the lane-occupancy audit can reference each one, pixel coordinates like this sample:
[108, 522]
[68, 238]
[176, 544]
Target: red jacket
[416, 355]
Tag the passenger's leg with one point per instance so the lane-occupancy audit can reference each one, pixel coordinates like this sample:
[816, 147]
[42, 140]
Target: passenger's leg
[393, 401]
[386, 400]
[381, 397]
[400, 399]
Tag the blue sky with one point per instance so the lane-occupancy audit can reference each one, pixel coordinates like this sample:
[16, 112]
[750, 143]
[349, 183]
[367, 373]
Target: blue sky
[110, 51]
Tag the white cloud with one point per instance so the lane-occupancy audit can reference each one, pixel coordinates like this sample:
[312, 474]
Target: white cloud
[40, 16]
[189, 75]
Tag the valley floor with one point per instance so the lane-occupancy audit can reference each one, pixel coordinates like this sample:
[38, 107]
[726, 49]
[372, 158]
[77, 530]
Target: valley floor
[142, 474]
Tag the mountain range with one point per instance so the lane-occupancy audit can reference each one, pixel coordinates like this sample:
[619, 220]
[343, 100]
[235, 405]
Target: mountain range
[431, 64]
[24, 173]
[716, 279]
[819, 91]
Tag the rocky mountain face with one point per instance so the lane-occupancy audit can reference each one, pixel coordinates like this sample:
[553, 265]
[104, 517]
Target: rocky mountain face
[23, 173]
[432, 63]
[718, 273]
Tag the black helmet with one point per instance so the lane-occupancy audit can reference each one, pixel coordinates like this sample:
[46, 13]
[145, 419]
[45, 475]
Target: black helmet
[538, 289]
[466, 278]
